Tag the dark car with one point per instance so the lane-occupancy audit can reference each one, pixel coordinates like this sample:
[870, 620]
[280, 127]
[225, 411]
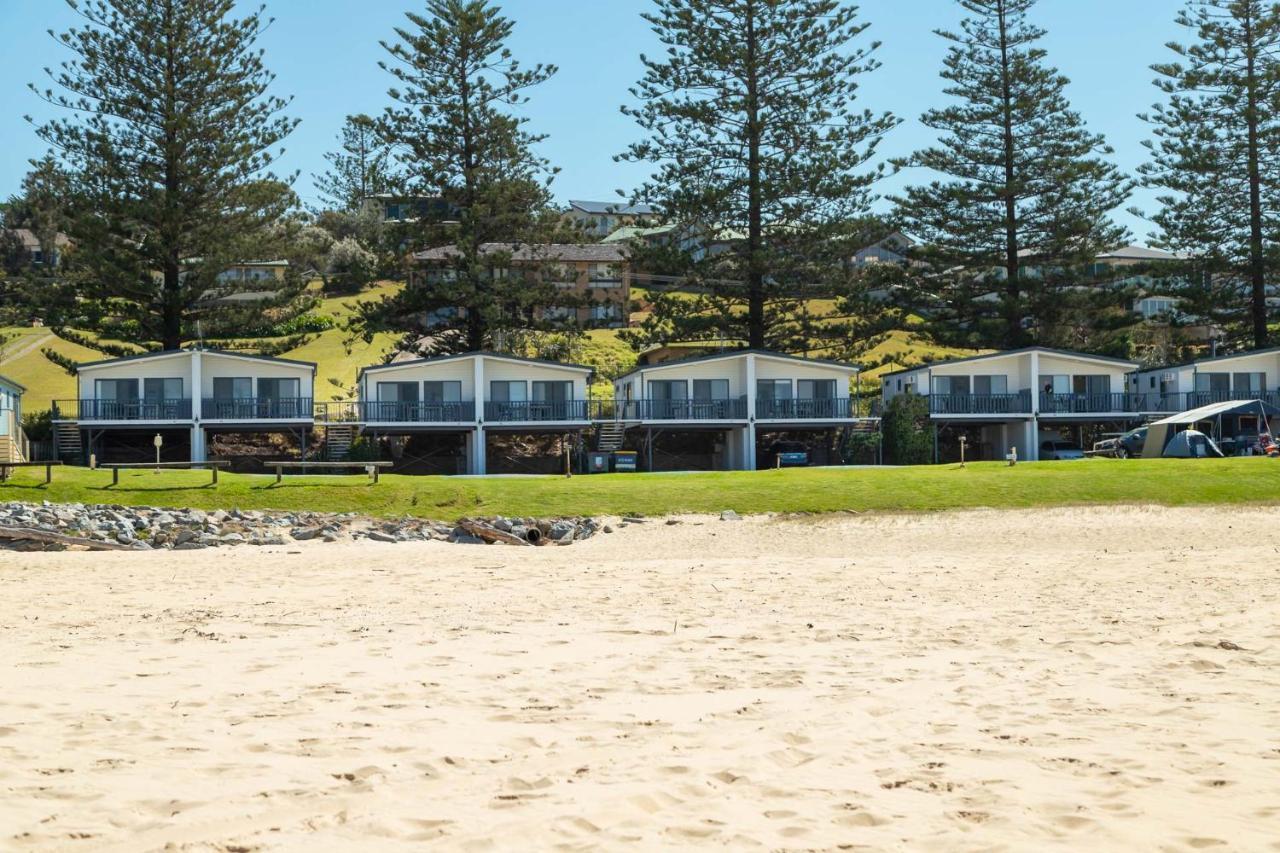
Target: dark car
[788, 454]
[1130, 445]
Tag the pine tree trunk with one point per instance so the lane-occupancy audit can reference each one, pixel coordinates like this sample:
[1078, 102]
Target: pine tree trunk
[1257, 261]
[476, 324]
[1012, 263]
[755, 275]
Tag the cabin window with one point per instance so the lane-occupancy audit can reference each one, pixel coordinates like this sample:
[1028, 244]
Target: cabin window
[991, 385]
[508, 392]
[279, 389]
[1092, 386]
[118, 390]
[232, 388]
[773, 389]
[441, 392]
[1214, 382]
[1249, 383]
[398, 392]
[552, 392]
[706, 390]
[951, 386]
[667, 389]
[816, 389]
[1059, 384]
[159, 390]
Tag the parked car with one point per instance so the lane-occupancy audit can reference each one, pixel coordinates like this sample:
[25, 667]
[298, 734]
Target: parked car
[788, 454]
[1130, 445]
[1059, 451]
[1125, 445]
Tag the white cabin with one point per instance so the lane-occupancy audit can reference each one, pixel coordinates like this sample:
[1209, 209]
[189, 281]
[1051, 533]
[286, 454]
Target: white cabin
[195, 390]
[1008, 396]
[13, 444]
[742, 393]
[474, 393]
[1182, 387]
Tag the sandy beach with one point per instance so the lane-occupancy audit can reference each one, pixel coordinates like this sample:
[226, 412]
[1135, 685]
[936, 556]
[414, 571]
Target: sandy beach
[1070, 679]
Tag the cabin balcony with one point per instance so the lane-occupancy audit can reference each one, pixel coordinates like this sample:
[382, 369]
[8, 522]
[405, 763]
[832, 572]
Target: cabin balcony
[830, 409]
[121, 411]
[242, 409]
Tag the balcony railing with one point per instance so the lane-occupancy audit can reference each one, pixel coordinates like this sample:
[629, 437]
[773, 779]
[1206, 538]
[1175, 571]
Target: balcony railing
[417, 413]
[805, 410]
[1083, 404]
[121, 410]
[257, 409]
[529, 411]
[1196, 399]
[980, 404]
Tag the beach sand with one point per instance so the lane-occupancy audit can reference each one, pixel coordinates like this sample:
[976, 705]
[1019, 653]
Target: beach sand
[968, 681]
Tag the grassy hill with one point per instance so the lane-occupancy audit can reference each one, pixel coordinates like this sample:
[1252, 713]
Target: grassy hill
[340, 361]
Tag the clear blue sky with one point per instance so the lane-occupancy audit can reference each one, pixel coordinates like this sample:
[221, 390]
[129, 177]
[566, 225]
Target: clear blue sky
[325, 55]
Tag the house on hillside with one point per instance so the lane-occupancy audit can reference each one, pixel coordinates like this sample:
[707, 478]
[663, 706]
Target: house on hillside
[1019, 399]
[408, 207]
[189, 398]
[730, 410]
[463, 414]
[33, 253]
[602, 218]
[598, 276]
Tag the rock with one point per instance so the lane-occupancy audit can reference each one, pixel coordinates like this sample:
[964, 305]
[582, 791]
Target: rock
[379, 536]
[608, 528]
[189, 546]
[231, 539]
[561, 531]
[730, 515]
[305, 534]
[184, 536]
[139, 545]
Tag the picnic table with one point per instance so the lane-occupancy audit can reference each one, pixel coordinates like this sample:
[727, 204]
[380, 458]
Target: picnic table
[47, 466]
[116, 467]
[374, 467]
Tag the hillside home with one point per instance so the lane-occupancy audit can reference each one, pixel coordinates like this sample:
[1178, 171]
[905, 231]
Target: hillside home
[13, 442]
[1014, 399]
[470, 398]
[186, 397]
[33, 253]
[596, 276]
[599, 219]
[726, 410]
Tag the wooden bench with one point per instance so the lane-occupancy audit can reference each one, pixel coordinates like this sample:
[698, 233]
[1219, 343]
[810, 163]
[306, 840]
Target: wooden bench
[116, 467]
[47, 466]
[374, 467]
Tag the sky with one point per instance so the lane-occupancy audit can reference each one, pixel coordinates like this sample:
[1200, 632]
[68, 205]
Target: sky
[325, 55]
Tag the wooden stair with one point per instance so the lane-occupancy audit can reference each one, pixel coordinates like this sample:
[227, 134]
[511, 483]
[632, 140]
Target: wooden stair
[338, 439]
[610, 436]
[67, 444]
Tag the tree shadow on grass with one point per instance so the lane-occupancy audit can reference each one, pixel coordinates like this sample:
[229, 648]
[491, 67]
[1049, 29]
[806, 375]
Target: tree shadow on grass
[275, 487]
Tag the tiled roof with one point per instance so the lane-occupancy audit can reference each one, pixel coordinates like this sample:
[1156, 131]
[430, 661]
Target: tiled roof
[616, 208]
[549, 252]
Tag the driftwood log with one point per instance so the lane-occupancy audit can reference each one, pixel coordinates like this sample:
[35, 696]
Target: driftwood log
[490, 534]
[26, 534]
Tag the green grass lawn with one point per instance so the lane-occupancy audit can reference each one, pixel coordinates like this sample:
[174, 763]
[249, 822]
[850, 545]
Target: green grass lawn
[1098, 482]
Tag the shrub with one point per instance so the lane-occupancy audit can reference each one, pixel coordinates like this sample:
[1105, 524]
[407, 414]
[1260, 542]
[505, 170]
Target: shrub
[908, 435]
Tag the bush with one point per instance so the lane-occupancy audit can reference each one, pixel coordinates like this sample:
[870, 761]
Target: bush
[38, 425]
[303, 324]
[908, 434]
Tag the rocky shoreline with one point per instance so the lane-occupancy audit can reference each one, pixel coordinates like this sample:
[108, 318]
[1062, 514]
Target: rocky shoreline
[49, 526]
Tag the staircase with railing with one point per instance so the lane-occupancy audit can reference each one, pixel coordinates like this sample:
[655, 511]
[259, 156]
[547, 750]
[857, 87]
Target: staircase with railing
[610, 436]
[67, 443]
[338, 439]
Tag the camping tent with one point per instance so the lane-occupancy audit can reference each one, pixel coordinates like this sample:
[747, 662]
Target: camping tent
[1161, 434]
[1191, 444]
